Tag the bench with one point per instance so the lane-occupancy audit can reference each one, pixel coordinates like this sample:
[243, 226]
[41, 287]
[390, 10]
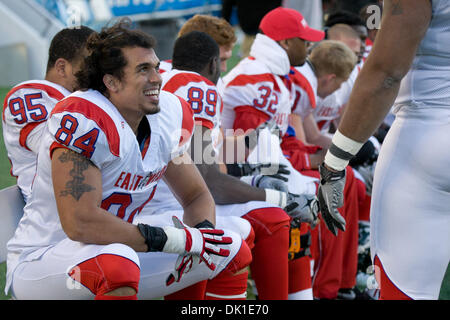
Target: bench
[11, 211]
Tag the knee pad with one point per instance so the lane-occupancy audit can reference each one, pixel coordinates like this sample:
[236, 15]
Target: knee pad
[241, 260]
[106, 272]
[238, 225]
[227, 287]
[267, 220]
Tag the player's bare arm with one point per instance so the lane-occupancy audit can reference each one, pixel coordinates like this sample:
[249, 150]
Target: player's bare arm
[188, 186]
[297, 123]
[313, 134]
[403, 26]
[224, 188]
[78, 192]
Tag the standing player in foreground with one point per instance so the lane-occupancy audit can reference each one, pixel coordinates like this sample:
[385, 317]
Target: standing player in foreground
[410, 217]
[28, 105]
[101, 156]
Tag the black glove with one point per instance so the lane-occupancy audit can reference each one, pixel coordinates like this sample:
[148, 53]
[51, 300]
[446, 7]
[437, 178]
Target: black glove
[250, 169]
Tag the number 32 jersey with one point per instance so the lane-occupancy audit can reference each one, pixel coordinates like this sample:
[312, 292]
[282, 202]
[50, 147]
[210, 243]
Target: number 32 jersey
[87, 123]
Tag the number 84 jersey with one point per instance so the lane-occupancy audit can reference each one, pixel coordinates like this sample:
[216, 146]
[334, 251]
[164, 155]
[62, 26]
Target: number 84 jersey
[87, 123]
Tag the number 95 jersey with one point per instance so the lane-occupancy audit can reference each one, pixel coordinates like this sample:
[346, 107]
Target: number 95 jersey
[87, 123]
[25, 111]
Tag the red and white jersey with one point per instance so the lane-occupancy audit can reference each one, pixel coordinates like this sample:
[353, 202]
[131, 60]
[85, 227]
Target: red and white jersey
[257, 85]
[199, 92]
[206, 104]
[25, 111]
[304, 89]
[87, 123]
[368, 48]
[166, 65]
[331, 107]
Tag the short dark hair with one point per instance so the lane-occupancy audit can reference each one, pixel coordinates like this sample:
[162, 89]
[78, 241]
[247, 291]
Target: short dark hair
[68, 44]
[106, 55]
[193, 51]
[345, 17]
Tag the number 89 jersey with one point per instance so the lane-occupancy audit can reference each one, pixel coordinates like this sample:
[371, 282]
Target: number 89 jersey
[87, 123]
[199, 92]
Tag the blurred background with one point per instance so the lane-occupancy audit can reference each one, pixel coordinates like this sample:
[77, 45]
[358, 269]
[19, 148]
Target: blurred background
[27, 26]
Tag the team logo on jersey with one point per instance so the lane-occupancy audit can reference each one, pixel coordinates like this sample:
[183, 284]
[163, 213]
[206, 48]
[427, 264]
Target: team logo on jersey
[131, 182]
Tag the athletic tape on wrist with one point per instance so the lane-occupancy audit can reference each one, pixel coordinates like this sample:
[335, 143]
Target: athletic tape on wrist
[276, 197]
[176, 240]
[342, 149]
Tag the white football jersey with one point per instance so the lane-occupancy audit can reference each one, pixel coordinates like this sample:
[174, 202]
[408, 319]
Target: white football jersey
[304, 88]
[330, 108]
[253, 84]
[201, 94]
[166, 66]
[86, 122]
[25, 111]
[428, 81]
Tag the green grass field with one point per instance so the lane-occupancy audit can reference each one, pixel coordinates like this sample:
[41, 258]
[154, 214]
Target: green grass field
[6, 180]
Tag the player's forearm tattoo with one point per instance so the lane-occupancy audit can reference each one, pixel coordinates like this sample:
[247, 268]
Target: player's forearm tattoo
[390, 82]
[396, 8]
[76, 187]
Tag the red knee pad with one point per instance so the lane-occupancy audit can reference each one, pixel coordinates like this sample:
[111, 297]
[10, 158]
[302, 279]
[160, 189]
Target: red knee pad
[241, 260]
[266, 221]
[105, 273]
[388, 290]
[250, 240]
[227, 287]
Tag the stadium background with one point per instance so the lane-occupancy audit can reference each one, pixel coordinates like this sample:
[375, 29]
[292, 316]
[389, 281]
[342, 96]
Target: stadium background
[23, 57]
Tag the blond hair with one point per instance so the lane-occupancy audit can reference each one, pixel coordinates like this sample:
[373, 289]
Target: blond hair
[217, 28]
[330, 56]
[342, 31]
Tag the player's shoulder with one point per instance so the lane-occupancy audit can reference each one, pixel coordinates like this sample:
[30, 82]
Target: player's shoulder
[303, 77]
[51, 89]
[88, 115]
[173, 108]
[248, 70]
[31, 101]
[91, 103]
[174, 80]
[175, 116]
[165, 66]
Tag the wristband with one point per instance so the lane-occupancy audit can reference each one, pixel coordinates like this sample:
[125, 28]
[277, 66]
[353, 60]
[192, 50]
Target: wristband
[342, 149]
[155, 237]
[205, 224]
[276, 197]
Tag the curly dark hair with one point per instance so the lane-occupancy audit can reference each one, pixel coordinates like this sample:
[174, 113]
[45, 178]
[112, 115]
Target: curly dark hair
[106, 56]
